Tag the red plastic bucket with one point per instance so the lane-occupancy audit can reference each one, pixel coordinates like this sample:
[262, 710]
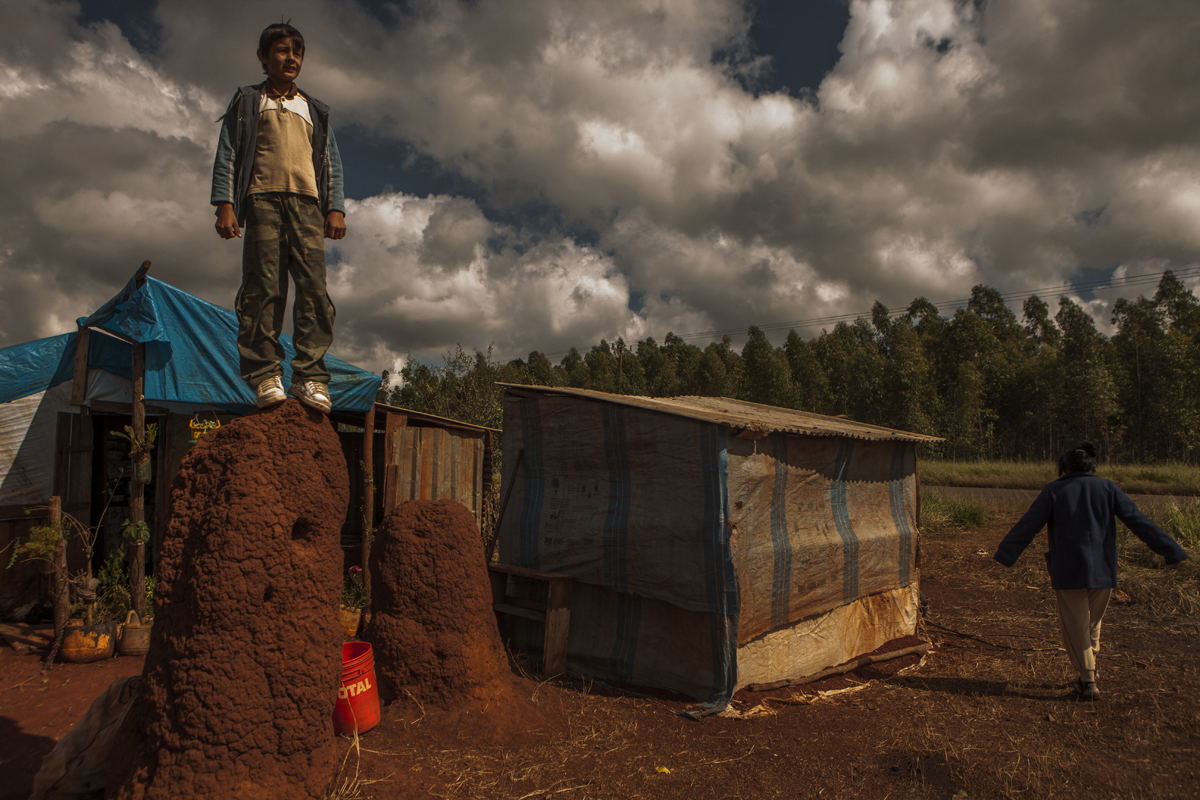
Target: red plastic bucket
[357, 706]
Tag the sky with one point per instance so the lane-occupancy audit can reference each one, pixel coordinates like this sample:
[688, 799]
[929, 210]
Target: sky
[542, 174]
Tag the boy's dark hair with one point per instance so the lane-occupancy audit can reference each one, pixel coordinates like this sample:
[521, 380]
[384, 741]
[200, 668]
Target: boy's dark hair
[1081, 458]
[273, 33]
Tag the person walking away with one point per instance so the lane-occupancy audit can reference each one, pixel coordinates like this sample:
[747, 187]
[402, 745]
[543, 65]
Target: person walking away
[277, 176]
[1079, 510]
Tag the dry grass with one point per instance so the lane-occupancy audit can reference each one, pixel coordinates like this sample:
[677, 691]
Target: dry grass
[1167, 590]
[347, 786]
[1170, 478]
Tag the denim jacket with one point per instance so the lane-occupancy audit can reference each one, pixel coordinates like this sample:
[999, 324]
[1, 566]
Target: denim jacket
[234, 164]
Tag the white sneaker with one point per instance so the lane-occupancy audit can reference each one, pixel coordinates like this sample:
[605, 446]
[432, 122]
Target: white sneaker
[270, 393]
[312, 394]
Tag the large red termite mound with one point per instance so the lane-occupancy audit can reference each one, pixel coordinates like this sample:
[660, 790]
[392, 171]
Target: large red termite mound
[245, 656]
[433, 631]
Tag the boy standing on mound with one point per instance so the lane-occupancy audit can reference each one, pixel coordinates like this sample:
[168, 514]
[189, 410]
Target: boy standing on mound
[278, 178]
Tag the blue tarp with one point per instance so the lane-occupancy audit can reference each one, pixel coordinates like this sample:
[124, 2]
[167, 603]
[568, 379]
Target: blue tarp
[191, 353]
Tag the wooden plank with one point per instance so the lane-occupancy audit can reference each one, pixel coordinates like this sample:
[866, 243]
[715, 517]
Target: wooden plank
[427, 471]
[410, 465]
[79, 381]
[477, 479]
[529, 574]
[17, 513]
[368, 518]
[125, 409]
[389, 457]
[517, 611]
[558, 625]
[441, 462]
[391, 484]
[454, 477]
[499, 583]
[445, 476]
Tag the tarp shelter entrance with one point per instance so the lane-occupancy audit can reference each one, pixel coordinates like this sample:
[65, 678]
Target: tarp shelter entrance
[62, 397]
[714, 543]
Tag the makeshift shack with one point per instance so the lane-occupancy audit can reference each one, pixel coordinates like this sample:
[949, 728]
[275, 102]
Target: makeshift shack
[64, 399]
[714, 543]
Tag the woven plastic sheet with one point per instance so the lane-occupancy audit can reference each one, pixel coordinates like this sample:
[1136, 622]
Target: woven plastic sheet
[688, 543]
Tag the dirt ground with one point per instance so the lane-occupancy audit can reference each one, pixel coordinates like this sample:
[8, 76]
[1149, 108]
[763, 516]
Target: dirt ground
[985, 714]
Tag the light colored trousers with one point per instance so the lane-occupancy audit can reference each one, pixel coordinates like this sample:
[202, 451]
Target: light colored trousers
[1079, 614]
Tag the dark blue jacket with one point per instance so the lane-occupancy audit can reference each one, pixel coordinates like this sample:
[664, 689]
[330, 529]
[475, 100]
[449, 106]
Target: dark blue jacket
[1081, 509]
[234, 165]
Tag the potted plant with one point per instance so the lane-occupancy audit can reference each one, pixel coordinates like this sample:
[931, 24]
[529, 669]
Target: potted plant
[354, 600]
[114, 602]
[140, 448]
[79, 639]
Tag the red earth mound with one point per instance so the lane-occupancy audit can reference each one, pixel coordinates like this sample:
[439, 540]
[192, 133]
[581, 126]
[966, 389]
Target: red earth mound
[245, 655]
[433, 631]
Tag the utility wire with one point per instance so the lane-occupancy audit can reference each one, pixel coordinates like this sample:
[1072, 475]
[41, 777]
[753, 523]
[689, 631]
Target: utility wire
[1127, 281]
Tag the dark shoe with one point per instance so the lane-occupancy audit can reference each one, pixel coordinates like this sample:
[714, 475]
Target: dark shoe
[1085, 691]
[312, 394]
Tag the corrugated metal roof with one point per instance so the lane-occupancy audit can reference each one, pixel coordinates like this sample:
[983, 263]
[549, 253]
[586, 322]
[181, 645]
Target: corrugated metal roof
[443, 421]
[747, 417]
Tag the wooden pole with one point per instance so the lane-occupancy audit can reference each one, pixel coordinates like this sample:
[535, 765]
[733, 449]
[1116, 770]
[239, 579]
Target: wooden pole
[368, 494]
[62, 602]
[137, 507]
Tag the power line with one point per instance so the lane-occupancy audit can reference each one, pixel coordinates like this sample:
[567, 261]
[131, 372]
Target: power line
[1127, 281]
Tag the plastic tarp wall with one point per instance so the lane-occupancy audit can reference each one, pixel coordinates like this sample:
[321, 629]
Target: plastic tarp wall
[824, 542]
[28, 428]
[632, 504]
[693, 550]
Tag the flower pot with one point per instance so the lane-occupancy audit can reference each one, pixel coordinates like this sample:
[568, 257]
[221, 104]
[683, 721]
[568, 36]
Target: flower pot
[143, 473]
[135, 637]
[350, 619]
[83, 644]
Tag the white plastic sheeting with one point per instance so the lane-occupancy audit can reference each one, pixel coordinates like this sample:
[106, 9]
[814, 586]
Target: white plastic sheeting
[27, 431]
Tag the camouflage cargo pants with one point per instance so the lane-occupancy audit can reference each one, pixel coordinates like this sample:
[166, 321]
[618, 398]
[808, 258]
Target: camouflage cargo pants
[284, 234]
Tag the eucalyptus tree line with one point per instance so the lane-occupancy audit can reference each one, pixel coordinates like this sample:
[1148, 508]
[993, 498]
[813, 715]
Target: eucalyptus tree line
[993, 385]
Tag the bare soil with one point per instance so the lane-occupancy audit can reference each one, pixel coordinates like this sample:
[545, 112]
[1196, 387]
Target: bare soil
[985, 714]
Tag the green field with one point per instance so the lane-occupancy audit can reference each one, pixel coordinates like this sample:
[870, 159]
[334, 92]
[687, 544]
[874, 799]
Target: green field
[1170, 478]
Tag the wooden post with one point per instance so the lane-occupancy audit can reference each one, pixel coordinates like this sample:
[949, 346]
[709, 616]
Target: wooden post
[62, 601]
[368, 494]
[79, 381]
[137, 507]
[558, 624]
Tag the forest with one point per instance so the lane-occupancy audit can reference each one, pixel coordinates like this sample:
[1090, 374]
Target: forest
[992, 385]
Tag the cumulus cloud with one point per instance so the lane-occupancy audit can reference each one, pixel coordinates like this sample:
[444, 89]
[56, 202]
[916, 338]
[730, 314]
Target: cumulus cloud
[953, 143]
[549, 295]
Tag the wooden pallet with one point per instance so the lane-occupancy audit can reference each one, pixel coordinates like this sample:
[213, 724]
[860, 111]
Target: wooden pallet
[554, 614]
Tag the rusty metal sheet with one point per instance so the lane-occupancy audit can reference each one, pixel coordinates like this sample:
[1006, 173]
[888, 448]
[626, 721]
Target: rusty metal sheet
[751, 418]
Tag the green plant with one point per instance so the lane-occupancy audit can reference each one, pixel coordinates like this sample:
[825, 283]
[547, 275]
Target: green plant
[938, 512]
[354, 591]
[113, 599]
[135, 532]
[40, 546]
[139, 445]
